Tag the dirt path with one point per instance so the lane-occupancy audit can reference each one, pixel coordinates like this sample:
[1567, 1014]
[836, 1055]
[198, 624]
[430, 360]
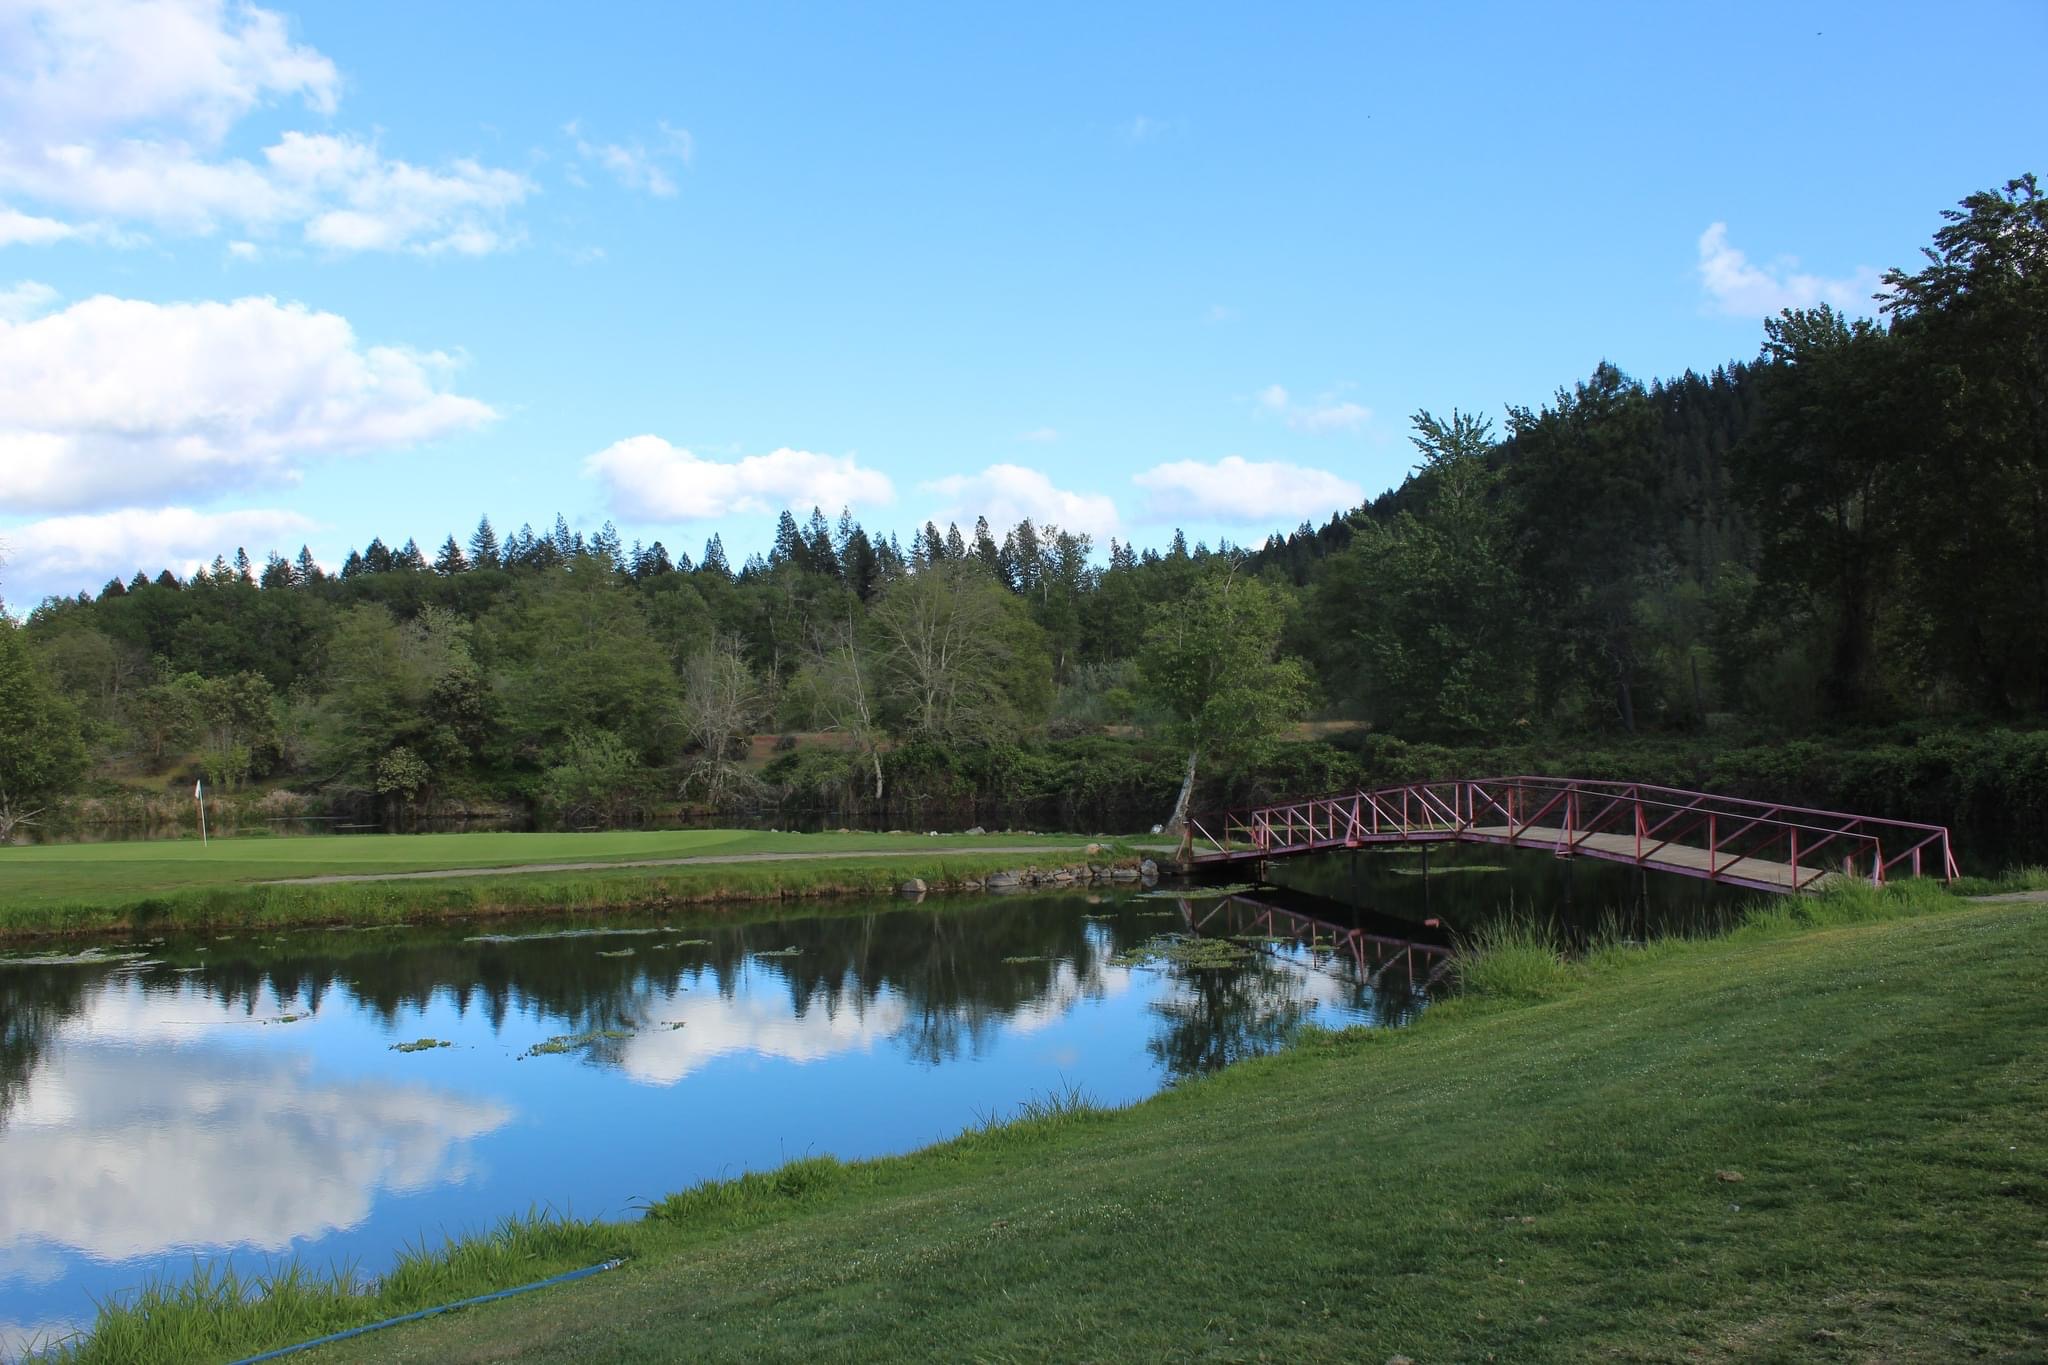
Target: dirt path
[699, 860]
[2008, 897]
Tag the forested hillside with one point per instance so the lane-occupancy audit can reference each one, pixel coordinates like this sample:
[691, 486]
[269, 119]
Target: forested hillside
[1850, 529]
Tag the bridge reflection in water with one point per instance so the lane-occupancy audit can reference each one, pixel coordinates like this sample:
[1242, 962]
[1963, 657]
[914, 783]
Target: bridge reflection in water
[1382, 953]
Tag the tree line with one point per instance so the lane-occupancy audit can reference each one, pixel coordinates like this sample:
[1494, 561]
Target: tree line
[1852, 527]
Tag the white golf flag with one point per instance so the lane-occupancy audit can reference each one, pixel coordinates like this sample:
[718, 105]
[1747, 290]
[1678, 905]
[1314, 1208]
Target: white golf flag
[199, 790]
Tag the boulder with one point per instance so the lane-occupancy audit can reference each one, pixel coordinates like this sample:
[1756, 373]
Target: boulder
[1124, 874]
[914, 887]
[1149, 870]
[1004, 881]
[975, 833]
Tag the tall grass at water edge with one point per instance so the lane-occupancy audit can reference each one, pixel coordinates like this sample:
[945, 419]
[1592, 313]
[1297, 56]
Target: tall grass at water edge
[219, 1313]
[1520, 957]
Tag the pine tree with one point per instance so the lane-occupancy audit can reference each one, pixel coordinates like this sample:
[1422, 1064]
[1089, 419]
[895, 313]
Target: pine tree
[956, 544]
[860, 563]
[988, 552]
[818, 542]
[115, 588]
[789, 542]
[306, 571]
[606, 543]
[277, 572]
[139, 582]
[714, 559]
[244, 570]
[1020, 556]
[566, 544]
[450, 560]
[409, 557]
[352, 567]
[483, 545]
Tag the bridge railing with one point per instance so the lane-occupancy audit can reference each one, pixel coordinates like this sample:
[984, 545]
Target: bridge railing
[1760, 843]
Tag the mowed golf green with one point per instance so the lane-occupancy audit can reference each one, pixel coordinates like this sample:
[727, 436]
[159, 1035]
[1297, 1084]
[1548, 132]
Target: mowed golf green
[47, 875]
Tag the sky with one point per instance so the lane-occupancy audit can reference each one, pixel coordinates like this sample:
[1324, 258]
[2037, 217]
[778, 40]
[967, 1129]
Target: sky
[304, 274]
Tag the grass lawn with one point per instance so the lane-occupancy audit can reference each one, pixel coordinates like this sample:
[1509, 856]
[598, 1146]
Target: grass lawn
[1820, 1137]
[43, 887]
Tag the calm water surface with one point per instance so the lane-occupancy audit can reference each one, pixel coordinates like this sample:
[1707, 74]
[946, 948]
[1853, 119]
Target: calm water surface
[240, 1098]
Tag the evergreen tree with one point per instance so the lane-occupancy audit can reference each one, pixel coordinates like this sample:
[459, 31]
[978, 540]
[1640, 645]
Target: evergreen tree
[789, 542]
[483, 545]
[306, 570]
[824, 559]
[451, 559]
[714, 559]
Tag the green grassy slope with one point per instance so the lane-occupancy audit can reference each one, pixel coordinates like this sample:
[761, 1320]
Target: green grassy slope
[1509, 1179]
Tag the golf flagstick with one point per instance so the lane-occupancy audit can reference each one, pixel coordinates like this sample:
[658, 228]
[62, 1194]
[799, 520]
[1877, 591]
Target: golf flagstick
[199, 795]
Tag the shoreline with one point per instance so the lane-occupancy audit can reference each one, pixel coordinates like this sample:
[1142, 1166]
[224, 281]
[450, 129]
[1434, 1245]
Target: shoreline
[618, 887]
[1509, 1233]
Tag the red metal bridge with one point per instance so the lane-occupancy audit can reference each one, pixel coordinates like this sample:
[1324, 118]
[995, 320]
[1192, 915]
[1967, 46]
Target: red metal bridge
[1756, 844]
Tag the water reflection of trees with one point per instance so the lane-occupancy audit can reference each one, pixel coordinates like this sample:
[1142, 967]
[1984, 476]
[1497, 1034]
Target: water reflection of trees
[944, 963]
[951, 976]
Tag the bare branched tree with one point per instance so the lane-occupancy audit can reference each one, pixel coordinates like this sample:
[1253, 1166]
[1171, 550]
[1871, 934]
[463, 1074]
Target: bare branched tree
[723, 700]
[840, 688]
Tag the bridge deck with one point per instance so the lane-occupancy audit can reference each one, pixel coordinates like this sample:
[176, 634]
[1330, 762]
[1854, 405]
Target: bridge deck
[1763, 874]
[1622, 848]
[1742, 842]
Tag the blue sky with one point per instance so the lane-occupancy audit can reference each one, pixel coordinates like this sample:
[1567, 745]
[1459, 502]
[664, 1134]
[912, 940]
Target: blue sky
[317, 272]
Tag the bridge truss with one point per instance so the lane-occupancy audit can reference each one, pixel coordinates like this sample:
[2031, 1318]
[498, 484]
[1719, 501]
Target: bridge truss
[1755, 844]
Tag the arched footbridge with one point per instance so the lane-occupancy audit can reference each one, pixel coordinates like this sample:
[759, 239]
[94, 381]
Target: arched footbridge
[1755, 844]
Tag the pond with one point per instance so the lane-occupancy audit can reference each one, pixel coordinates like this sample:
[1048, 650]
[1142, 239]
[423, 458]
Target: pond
[247, 1099]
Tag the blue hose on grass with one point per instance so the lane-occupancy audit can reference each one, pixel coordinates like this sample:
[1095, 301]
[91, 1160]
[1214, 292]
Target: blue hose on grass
[430, 1312]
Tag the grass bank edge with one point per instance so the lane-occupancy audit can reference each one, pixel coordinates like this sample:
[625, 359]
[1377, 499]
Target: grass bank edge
[520, 893]
[1518, 969]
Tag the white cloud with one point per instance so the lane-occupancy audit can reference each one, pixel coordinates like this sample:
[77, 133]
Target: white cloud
[648, 478]
[1735, 286]
[117, 401]
[189, 66]
[119, 109]
[635, 164]
[1326, 414]
[24, 300]
[1008, 493]
[1240, 492]
[1039, 435]
[62, 554]
[376, 204]
[22, 229]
